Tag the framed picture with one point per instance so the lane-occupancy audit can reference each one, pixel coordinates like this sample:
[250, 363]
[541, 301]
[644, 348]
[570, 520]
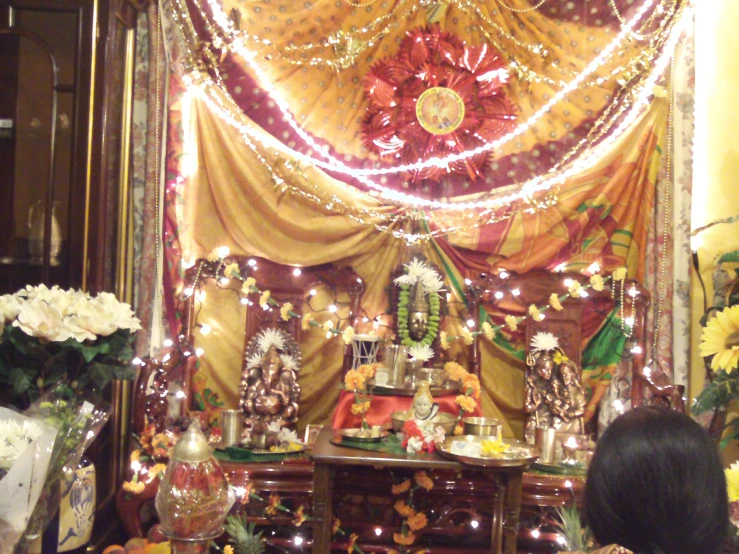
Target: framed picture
[311, 434]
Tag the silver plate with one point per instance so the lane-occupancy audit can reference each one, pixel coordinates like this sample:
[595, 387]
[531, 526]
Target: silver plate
[448, 388]
[348, 434]
[520, 452]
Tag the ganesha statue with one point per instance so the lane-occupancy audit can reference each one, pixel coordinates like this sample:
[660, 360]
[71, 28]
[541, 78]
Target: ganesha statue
[269, 391]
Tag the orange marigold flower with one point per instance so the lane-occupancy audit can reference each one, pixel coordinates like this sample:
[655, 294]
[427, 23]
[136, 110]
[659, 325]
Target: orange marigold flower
[459, 429]
[335, 526]
[455, 371]
[367, 370]
[402, 487]
[352, 539]
[274, 501]
[299, 517]
[404, 539]
[423, 480]
[417, 521]
[247, 493]
[135, 487]
[361, 408]
[471, 383]
[354, 380]
[467, 403]
[228, 549]
[404, 509]
[135, 455]
[156, 471]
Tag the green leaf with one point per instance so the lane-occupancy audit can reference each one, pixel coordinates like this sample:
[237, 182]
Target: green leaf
[198, 401]
[124, 372]
[21, 379]
[101, 374]
[723, 389]
[729, 257]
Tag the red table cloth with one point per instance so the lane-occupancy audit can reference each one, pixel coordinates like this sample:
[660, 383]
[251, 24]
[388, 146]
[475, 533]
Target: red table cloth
[383, 406]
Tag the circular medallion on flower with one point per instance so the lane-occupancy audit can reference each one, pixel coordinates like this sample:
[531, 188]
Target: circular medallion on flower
[437, 98]
[440, 110]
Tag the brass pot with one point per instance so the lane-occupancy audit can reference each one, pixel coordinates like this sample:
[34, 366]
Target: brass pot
[482, 426]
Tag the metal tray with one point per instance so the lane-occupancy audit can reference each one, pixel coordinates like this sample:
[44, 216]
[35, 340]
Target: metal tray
[560, 469]
[348, 434]
[447, 389]
[520, 452]
[257, 451]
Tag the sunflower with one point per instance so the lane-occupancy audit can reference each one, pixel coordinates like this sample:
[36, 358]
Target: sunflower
[721, 337]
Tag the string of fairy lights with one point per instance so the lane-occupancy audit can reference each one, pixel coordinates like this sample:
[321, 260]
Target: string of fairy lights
[527, 188]
[227, 270]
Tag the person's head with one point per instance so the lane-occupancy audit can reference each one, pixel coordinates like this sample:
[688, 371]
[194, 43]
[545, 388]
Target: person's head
[656, 486]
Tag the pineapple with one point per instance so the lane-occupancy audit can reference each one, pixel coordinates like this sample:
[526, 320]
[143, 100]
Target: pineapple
[242, 535]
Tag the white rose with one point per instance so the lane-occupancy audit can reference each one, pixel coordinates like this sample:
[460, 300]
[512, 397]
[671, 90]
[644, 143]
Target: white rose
[39, 319]
[120, 312]
[93, 317]
[10, 306]
[77, 331]
[65, 300]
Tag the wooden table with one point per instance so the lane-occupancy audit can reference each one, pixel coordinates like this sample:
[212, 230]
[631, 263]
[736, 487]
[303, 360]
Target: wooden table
[326, 457]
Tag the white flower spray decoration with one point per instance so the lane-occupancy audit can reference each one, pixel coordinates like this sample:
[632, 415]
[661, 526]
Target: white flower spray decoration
[543, 342]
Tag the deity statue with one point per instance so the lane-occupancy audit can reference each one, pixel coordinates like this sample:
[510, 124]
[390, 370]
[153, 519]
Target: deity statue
[269, 388]
[554, 396]
[418, 313]
[424, 411]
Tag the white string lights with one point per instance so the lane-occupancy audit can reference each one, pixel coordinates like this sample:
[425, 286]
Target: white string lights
[537, 184]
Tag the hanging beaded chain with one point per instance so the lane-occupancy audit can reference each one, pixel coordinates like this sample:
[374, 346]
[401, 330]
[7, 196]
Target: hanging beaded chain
[517, 10]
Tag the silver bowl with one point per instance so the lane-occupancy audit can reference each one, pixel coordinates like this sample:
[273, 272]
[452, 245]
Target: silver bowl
[444, 420]
[482, 426]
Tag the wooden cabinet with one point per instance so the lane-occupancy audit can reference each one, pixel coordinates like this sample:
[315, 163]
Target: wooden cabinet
[66, 71]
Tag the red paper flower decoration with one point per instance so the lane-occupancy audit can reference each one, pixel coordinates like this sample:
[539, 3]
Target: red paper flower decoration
[436, 97]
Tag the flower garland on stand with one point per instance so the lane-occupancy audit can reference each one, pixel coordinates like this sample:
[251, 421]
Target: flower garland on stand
[419, 274]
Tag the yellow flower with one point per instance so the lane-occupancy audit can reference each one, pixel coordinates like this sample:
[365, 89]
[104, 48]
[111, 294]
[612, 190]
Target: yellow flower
[467, 403]
[721, 339]
[417, 522]
[471, 386]
[352, 539]
[455, 371]
[732, 481]
[467, 336]
[347, 335]
[228, 549]
[335, 527]
[560, 358]
[305, 324]
[619, 274]
[494, 449]
[214, 256]
[248, 284]
[512, 322]
[554, 302]
[264, 299]
[367, 370]
[597, 282]
[458, 429]
[402, 487]
[285, 311]
[354, 380]
[135, 455]
[488, 331]
[274, 501]
[328, 325]
[404, 509]
[135, 487]
[247, 494]
[231, 270]
[361, 408]
[299, 517]
[443, 342]
[423, 480]
[535, 313]
[574, 289]
[404, 539]
[156, 471]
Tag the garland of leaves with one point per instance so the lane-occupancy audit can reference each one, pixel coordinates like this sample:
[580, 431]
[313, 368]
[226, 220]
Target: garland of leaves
[433, 326]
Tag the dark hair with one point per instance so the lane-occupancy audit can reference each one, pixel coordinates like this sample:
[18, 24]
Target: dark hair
[656, 486]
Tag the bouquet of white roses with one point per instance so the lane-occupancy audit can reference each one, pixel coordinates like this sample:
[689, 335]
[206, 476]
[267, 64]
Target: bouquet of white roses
[49, 335]
[25, 452]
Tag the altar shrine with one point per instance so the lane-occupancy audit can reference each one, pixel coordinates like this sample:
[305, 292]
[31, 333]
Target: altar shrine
[385, 272]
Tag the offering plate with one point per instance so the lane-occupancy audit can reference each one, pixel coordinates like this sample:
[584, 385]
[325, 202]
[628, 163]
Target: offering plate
[518, 453]
[448, 388]
[350, 434]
